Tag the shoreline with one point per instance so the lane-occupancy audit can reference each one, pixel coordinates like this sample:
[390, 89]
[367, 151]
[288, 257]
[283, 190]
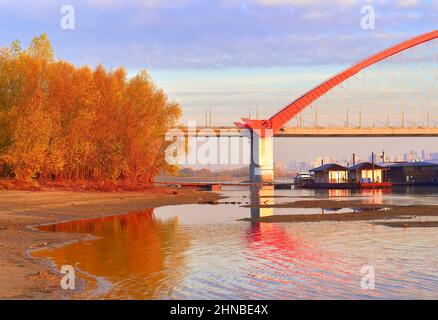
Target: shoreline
[21, 212]
[359, 211]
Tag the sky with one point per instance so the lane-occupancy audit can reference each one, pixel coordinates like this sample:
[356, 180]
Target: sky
[233, 57]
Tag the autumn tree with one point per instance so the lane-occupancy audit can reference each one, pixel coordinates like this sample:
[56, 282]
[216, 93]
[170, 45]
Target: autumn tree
[61, 122]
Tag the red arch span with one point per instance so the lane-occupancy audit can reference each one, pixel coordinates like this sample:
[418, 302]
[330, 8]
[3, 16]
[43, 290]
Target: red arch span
[291, 110]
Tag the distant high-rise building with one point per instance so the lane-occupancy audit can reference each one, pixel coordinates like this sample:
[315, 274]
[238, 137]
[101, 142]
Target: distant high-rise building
[380, 157]
[425, 155]
[377, 158]
[411, 156]
[320, 161]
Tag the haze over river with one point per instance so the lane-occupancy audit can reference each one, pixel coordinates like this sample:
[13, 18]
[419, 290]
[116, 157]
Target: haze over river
[204, 252]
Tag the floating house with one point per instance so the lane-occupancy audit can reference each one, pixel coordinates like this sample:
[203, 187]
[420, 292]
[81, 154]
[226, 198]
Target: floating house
[371, 175]
[362, 175]
[366, 172]
[330, 173]
[413, 173]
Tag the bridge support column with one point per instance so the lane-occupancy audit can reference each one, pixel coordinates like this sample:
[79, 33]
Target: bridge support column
[261, 168]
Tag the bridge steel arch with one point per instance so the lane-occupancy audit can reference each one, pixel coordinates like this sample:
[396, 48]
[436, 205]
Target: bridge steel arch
[278, 120]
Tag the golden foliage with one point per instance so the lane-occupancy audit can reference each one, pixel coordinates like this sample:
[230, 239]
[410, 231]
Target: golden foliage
[58, 121]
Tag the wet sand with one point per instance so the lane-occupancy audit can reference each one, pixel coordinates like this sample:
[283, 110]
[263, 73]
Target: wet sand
[408, 224]
[25, 277]
[322, 204]
[369, 211]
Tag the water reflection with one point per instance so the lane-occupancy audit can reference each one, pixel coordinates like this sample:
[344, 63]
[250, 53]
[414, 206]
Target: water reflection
[279, 261]
[202, 252]
[134, 250]
[259, 196]
[280, 257]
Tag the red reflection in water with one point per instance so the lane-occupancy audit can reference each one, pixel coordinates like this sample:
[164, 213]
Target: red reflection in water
[277, 249]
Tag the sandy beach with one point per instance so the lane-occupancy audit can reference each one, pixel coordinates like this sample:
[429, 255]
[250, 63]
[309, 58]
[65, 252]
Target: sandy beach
[25, 277]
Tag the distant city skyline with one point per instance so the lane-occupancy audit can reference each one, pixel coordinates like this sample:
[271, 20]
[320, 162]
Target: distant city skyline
[308, 149]
[408, 156]
[304, 165]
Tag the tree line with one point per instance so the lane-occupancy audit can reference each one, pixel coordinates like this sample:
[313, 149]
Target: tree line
[62, 122]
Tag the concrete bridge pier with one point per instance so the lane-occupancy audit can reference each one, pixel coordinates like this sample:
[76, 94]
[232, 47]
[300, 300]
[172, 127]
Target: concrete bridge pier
[261, 168]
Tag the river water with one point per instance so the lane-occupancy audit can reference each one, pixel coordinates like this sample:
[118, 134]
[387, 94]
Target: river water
[204, 252]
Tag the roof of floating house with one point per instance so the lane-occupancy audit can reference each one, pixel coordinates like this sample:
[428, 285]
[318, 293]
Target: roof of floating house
[329, 167]
[412, 164]
[365, 166]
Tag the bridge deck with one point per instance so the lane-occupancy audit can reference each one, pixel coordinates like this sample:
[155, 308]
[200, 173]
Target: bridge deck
[294, 132]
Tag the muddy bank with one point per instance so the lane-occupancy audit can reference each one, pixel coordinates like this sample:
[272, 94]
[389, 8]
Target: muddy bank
[408, 224]
[390, 212]
[24, 277]
[322, 204]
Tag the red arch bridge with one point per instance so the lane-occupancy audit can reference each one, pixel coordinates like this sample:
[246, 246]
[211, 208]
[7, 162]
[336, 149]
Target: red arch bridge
[360, 84]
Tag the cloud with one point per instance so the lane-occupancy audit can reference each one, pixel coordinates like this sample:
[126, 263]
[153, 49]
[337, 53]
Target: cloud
[408, 3]
[136, 3]
[315, 15]
[305, 3]
[184, 34]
